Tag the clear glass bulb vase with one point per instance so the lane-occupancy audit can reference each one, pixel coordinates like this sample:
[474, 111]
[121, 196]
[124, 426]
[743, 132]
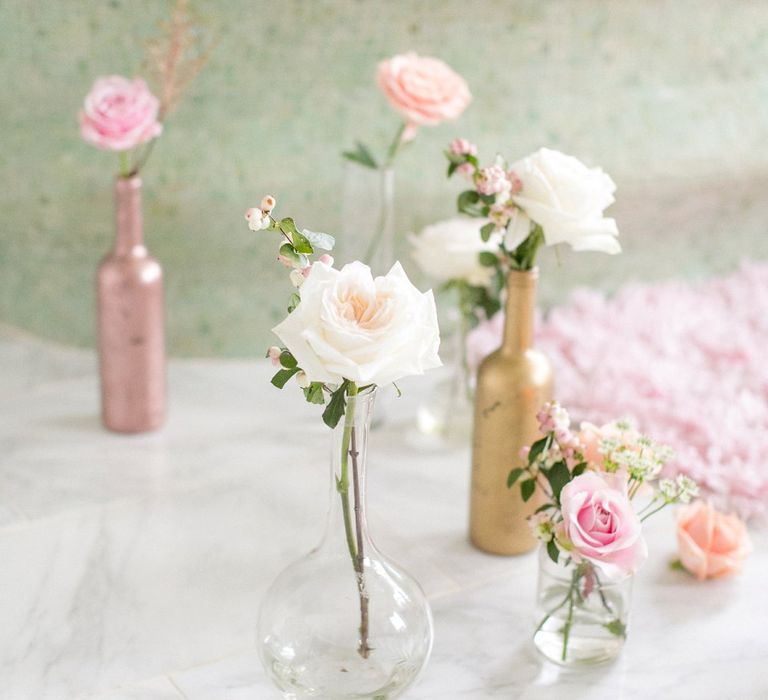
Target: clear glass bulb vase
[344, 621]
[581, 617]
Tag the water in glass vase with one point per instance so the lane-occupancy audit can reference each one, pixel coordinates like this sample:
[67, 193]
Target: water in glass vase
[581, 617]
[345, 621]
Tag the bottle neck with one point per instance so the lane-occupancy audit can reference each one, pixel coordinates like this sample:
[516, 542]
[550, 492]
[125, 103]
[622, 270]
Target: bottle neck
[347, 526]
[129, 232]
[520, 310]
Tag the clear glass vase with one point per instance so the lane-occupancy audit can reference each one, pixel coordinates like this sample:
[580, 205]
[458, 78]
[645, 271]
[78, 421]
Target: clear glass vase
[344, 621]
[447, 411]
[369, 218]
[581, 617]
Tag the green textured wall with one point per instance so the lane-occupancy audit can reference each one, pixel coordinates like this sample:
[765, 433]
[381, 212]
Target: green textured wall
[670, 97]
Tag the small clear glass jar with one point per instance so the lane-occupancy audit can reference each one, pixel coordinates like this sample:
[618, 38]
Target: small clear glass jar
[581, 616]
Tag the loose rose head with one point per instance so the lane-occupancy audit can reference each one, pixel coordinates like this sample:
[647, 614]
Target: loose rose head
[449, 250]
[119, 114]
[567, 199]
[601, 526]
[711, 544]
[424, 90]
[350, 325]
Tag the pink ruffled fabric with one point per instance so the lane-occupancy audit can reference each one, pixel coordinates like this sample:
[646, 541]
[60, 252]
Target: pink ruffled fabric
[688, 362]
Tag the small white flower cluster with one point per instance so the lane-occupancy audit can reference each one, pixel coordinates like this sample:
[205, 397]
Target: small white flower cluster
[259, 218]
[679, 490]
[632, 453]
[542, 526]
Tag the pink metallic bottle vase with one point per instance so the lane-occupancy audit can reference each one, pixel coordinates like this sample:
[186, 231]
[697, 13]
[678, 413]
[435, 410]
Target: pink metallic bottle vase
[131, 331]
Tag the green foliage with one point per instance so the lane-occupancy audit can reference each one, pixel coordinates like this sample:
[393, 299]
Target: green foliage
[557, 476]
[314, 393]
[486, 231]
[362, 156]
[336, 405]
[317, 239]
[527, 488]
[616, 627]
[579, 469]
[469, 203]
[281, 378]
[537, 448]
[514, 475]
[287, 360]
[488, 259]
[553, 551]
[294, 302]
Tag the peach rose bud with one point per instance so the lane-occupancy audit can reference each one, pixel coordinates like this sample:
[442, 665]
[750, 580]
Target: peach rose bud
[711, 544]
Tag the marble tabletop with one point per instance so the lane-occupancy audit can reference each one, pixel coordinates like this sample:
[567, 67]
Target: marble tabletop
[131, 568]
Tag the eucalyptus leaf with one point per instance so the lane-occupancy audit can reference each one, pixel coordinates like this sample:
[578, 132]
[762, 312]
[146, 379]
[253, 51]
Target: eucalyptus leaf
[324, 241]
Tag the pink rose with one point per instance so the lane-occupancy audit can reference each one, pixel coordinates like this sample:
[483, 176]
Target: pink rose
[602, 526]
[119, 114]
[711, 544]
[424, 90]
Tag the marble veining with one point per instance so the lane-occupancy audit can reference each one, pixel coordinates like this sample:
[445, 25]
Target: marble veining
[131, 568]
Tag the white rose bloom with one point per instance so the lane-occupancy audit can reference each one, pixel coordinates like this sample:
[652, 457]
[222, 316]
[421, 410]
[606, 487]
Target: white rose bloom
[518, 229]
[352, 326]
[448, 250]
[567, 199]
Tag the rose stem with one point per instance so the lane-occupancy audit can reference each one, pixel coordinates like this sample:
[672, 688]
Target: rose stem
[569, 619]
[347, 451]
[364, 648]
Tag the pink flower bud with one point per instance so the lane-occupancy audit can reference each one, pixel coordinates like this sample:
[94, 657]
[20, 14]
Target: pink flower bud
[274, 355]
[462, 147]
[268, 204]
[326, 259]
[302, 379]
[252, 212]
[297, 278]
[409, 133]
[306, 270]
[284, 261]
[524, 452]
[466, 169]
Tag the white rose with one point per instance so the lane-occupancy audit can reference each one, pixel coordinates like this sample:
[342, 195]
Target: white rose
[352, 326]
[567, 199]
[448, 250]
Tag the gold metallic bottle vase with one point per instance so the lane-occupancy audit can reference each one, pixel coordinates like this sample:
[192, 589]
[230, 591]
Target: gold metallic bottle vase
[512, 384]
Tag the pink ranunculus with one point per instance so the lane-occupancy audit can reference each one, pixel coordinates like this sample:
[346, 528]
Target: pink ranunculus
[601, 525]
[424, 90]
[119, 114]
[711, 544]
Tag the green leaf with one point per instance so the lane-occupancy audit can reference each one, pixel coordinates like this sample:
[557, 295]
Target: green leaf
[287, 360]
[324, 241]
[537, 448]
[677, 565]
[362, 156]
[558, 476]
[314, 393]
[541, 509]
[553, 551]
[287, 251]
[452, 168]
[579, 469]
[336, 406]
[299, 240]
[527, 488]
[514, 475]
[616, 627]
[488, 259]
[467, 203]
[282, 377]
[294, 302]
[454, 158]
[486, 231]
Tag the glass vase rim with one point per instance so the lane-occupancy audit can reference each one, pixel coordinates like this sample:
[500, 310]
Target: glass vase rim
[556, 569]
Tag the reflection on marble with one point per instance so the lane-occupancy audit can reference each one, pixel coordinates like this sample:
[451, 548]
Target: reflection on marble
[131, 567]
